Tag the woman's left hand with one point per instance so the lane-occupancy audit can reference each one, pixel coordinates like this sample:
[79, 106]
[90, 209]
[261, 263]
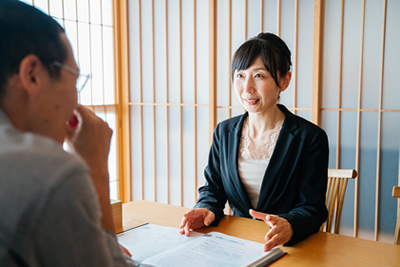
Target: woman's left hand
[281, 230]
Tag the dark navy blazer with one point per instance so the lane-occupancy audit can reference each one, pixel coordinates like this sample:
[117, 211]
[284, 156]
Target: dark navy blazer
[293, 186]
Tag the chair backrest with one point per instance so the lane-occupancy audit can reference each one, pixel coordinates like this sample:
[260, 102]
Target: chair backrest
[337, 183]
[396, 193]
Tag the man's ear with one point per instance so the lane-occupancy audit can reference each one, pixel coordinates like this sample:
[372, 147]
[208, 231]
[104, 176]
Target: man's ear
[285, 81]
[31, 73]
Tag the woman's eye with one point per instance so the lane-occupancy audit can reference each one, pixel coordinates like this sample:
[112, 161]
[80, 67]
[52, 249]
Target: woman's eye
[239, 75]
[258, 76]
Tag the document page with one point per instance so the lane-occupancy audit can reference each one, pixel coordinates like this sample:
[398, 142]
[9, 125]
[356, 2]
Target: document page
[150, 239]
[215, 249]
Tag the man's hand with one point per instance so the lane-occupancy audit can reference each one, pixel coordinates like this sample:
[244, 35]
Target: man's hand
[281, 230]
[89, 136]
[196, 218]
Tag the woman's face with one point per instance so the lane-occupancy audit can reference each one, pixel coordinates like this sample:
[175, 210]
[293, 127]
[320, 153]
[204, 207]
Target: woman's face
[256, 89]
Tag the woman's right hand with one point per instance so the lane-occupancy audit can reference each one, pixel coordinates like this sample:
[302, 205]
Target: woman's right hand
[196, 218]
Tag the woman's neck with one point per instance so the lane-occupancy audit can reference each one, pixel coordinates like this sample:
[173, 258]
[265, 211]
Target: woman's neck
[261, 123]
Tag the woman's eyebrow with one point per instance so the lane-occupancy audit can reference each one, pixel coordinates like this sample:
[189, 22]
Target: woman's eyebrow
[260, 68]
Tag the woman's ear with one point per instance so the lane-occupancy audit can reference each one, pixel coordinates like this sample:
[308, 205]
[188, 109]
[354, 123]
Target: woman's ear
[285, 81]
[31, 73]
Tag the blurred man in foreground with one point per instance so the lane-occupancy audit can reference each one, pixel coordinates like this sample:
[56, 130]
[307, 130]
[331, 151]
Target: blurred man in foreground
[54, 205]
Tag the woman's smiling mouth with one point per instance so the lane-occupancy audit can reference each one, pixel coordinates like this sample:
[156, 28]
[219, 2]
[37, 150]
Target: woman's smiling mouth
[251, 101]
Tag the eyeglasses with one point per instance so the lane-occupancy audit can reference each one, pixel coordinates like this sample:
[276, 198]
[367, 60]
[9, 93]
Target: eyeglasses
[82, 79]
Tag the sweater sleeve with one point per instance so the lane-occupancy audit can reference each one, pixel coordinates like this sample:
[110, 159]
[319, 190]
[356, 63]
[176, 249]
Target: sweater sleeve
[67, 230]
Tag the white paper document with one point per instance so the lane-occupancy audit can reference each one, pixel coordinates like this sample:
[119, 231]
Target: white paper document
[155, 245]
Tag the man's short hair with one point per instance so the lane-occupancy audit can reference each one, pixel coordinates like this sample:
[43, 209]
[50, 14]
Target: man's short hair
[25, 30]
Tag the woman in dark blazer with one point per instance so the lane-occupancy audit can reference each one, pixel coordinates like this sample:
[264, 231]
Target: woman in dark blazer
[267, 163]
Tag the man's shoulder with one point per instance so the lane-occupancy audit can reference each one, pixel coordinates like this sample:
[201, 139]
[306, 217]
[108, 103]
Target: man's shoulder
[31, 165]
[33, 170]
[33, 151]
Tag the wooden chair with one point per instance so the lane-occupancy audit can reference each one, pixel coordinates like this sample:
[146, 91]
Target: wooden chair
[337, 183]
[396, 193]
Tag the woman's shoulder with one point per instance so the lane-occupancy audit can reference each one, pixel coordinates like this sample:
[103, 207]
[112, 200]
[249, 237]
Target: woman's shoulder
[231, 123]
[296, 123]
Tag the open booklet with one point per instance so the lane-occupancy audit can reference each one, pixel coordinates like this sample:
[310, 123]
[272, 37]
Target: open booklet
[156, 245]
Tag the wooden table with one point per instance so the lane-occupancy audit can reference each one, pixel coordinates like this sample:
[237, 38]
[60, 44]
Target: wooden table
[320, 249]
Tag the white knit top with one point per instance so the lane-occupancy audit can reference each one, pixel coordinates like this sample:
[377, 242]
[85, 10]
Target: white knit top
[253, 164]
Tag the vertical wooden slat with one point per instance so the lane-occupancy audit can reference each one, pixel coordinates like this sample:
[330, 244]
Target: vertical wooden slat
[102, 65]
[48, 7]
[154, 101]
[102, 53]
[356, 194]
[342, 192]
[230, 57]
[121, 67]
[77, 43]
[378, 156]
[295, 52]
[77, 34]
[245, 19]
[212, 67]
[106, 120]
[141, 97]
[167, 98]
[261, 15]
[90, 53]
[63, 12]
[195, 98]
[332, 201]
[278, 17]
[229, 211]
[317, 61]
[340, 87]
[180, 101]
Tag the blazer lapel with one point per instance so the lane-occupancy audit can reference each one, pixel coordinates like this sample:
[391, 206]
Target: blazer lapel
[282, 147]
[233, 154]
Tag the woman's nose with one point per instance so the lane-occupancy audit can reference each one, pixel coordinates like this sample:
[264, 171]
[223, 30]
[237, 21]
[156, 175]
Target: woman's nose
[248, 86]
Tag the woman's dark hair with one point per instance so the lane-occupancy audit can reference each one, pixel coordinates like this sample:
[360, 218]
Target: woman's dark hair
[273, 51]
[25, 30]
